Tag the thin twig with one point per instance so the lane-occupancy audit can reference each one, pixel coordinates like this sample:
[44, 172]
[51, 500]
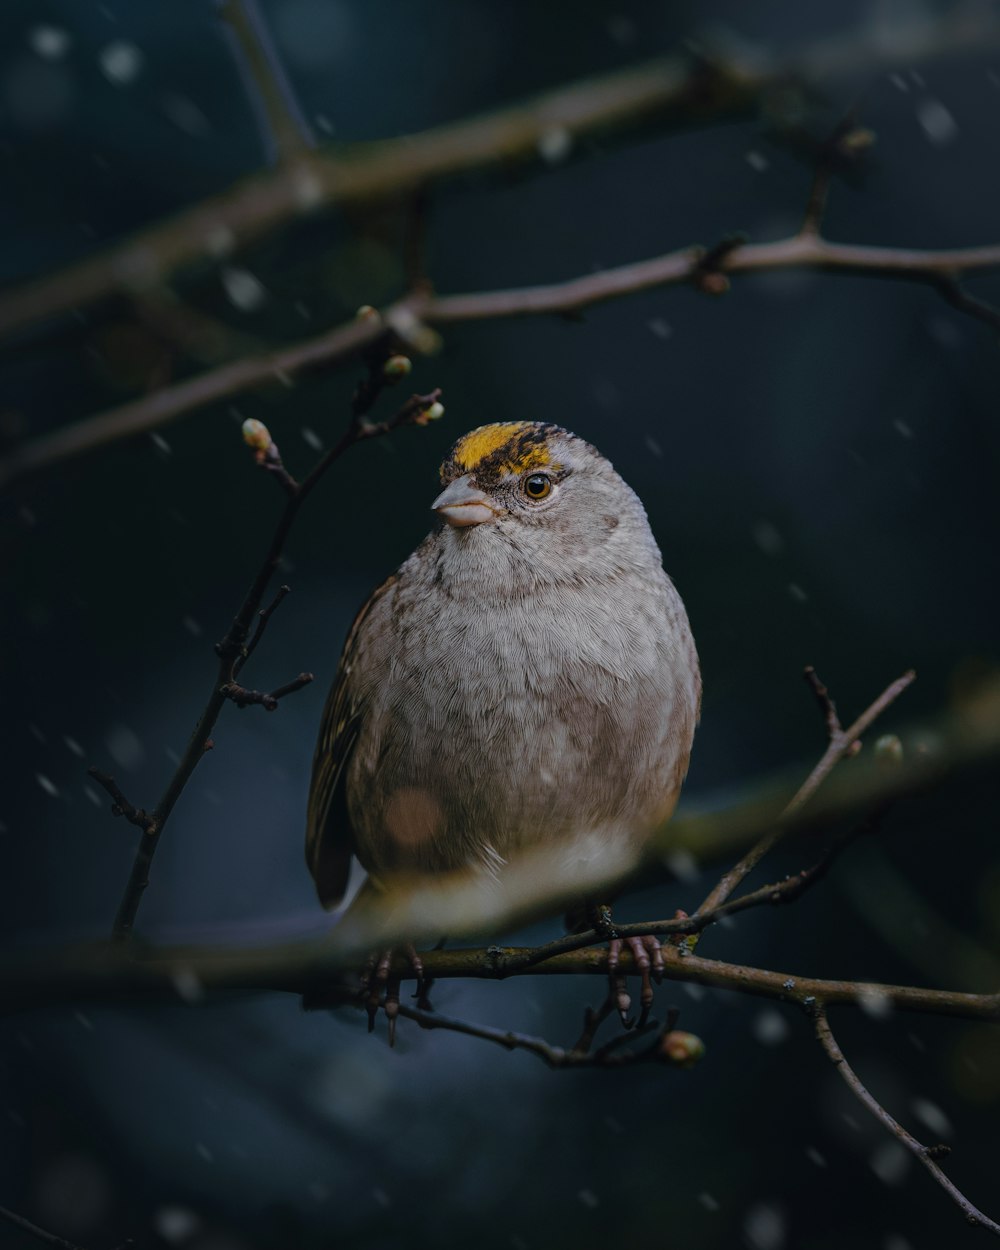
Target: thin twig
[234, 644]
[958, 297]
[40, 1234]
[927, 1155]
[825, 702]
[683, 925]
[937, 269]
[845, 145]
[613, 1055]
[243, 697]
[120, 806]
[841, 745]
[271, 462]
[285, 129]
[263, 618]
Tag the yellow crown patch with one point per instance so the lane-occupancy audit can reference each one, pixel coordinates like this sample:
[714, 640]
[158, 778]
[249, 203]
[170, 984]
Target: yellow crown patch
[508, 446]
[489, 439]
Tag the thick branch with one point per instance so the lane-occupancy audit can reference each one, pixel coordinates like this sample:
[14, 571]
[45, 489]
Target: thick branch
[110, 973]
[928, 1155]
[938, 269]
[672, 89]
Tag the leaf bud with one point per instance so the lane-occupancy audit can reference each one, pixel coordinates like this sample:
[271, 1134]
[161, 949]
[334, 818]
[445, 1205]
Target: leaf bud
[396, 368]
[889, 749]
[680, 1049]
[256, 435]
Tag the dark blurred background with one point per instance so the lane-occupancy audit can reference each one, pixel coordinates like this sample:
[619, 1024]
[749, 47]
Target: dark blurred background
[819, 459]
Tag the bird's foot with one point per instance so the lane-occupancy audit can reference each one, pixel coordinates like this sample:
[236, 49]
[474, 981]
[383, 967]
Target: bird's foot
[649, 960]
[378, 979]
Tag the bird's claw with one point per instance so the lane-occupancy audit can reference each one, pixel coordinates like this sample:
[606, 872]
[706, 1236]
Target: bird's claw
[649, 960]
[380, 986]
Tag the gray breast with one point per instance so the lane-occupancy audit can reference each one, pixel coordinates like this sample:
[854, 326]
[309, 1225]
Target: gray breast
[496, 719]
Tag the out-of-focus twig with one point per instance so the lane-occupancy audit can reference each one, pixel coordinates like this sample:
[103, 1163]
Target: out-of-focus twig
[285, 129]
[42, 1235]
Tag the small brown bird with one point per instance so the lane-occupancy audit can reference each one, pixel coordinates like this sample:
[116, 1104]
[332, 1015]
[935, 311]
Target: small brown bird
[527, 676]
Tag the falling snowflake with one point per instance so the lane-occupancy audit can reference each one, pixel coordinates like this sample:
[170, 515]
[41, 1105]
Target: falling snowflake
[50, 42]
[120, 62]
[246, 292]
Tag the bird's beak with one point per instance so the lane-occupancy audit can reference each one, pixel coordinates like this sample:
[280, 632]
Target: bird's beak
[462, 504]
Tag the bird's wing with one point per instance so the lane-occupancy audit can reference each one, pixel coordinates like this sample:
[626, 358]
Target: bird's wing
[329, 838]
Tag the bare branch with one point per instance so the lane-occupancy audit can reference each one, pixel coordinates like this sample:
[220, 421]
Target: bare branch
[263, 617]
[937, 269]
[243, 697]
[111, 973]
[842, 745]
[956, 295]
[683, 925]
[120, 806]
[233, 647]
[672, 89]
[613, 1055]
[40, 1234]
[927, 1155]
[845, 146]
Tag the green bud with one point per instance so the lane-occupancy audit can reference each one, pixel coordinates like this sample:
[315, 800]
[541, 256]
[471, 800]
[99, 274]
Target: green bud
[435, 412]
[681, 1050]
[256, 435]
[889, 749]
[397, 367]
[366, 313]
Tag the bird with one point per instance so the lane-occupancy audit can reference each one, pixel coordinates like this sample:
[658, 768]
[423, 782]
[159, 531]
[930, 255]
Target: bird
[528, 676]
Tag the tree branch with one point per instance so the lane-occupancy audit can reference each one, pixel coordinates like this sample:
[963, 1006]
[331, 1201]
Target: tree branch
[938, 269]
[43, 1235]
[112, 973]
[927, 1155]
[615, 1054]
[843, 743]
[233, 648]
[286, 132]
[672, 89]
[120, 806]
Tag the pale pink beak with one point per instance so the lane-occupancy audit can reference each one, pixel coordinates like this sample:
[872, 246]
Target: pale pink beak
[462, 504]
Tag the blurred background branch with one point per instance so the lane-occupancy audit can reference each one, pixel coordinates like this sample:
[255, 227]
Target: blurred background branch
[939, 269]
[680, 90]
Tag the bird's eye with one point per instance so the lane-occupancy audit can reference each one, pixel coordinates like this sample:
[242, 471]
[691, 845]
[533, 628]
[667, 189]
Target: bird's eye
[537, 486]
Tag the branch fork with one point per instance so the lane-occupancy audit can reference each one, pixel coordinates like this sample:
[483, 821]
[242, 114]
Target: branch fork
[243, 697]
[120, 806]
